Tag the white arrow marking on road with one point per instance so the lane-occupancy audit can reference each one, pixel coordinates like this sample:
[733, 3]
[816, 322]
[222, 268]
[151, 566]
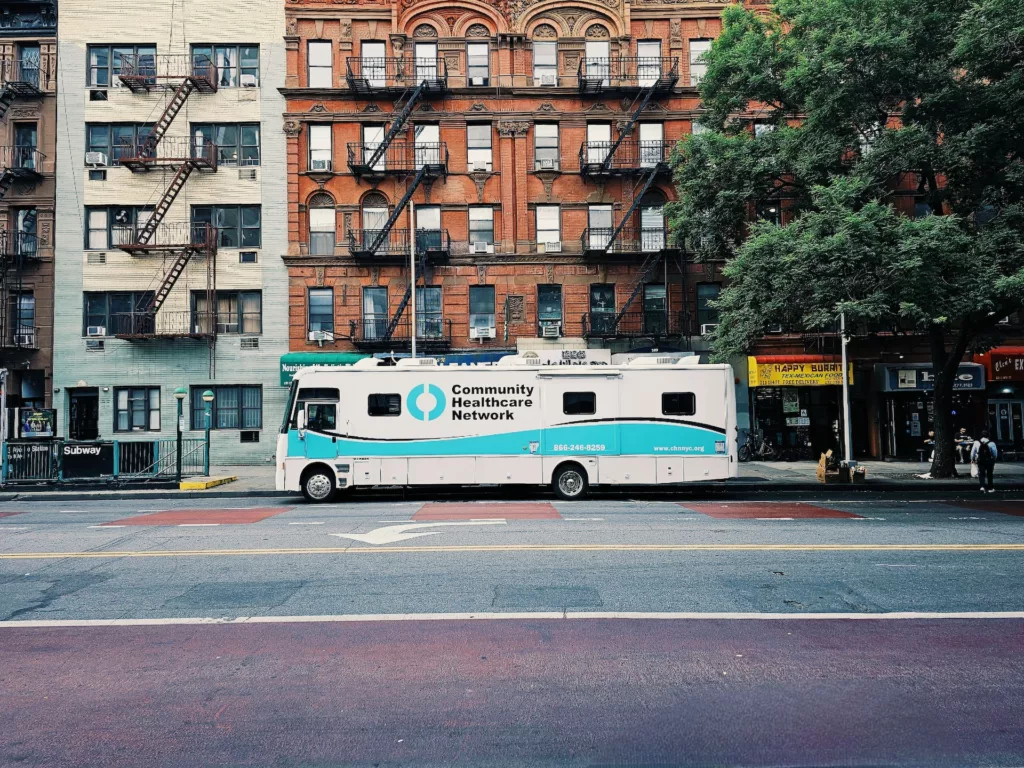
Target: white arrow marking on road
[392, 533]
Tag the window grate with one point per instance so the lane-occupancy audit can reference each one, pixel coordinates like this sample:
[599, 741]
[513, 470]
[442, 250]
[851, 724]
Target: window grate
[97, 258]
[249, 436]
[247, 174]
[250, 342]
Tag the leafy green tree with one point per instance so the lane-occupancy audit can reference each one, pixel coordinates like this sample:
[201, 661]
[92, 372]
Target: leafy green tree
[836, 110]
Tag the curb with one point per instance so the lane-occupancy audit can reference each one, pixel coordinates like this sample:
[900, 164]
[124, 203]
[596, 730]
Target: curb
[202, 484]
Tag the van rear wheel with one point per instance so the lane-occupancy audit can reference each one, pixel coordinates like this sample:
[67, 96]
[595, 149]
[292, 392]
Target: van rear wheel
[318, 485]
[570, 482]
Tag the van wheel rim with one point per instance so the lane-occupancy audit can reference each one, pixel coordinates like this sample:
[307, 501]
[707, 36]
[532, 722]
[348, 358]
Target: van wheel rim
[570, 483]
[319, 486]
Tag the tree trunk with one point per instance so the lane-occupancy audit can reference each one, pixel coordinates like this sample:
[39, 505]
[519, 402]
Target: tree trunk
[945, 367]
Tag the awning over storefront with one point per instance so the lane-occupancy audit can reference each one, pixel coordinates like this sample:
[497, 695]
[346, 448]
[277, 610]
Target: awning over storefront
[918, 377]
[797, 371]
[293, 361]
[1003, 363]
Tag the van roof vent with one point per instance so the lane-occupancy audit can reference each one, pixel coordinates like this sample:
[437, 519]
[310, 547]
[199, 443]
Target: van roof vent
[415, 362]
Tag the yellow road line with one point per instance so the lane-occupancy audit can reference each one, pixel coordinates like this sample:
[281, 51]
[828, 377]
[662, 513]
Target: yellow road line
[522, 548]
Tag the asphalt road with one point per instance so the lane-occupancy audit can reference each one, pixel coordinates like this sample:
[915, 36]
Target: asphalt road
[523, 632]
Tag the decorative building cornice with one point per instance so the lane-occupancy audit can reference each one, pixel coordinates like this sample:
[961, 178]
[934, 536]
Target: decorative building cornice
[513, 127]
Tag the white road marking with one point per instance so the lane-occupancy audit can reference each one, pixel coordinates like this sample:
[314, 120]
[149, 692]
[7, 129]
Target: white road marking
[773, 518]
[13, 527]
[528, 616]
[592, 519]
[108, 526]
[896, 565]
[393, 533]
[304, 523]
[198, 525]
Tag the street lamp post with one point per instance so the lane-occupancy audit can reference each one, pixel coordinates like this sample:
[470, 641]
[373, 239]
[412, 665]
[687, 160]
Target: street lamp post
[179, 395]
[847, 427]
[208, 404]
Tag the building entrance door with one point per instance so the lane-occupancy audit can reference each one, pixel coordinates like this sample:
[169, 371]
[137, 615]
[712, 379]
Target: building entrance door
[1006, 423]
[83, 413]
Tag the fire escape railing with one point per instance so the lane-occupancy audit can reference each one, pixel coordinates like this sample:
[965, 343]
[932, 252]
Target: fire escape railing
[383, 75]
[599, 74]
[19, 163]
[21, 77]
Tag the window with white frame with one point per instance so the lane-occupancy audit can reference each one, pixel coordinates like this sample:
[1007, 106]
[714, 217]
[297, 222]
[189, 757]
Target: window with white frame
[321, 309]
[698, 63]
[481, 306]
[545, 147]
[478, 63]
[478, 146]
[549, 226]
[481, 224]
[545, 63]
[319, 60]
[320, 153]
[237, 65]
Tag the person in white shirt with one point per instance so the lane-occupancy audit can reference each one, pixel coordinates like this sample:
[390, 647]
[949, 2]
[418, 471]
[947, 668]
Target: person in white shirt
[984, 453]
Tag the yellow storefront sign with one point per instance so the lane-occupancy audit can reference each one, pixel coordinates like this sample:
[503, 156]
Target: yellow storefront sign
[796, 374]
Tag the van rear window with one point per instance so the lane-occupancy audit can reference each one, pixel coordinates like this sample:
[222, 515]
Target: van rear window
[678, 403]
[384, 405]
[579, 403]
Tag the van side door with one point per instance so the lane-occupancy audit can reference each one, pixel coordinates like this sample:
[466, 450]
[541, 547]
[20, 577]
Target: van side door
[580, 414]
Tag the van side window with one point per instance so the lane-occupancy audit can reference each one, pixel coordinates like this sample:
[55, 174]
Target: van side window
[579, 403]
[319, 393]
[321, 416]
[678, 403]
[384, 405]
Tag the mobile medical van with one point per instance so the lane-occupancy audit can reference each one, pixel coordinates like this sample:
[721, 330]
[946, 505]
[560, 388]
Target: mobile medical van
[652, 421]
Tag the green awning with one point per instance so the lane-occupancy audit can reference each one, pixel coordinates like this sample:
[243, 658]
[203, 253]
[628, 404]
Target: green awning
[293, 361]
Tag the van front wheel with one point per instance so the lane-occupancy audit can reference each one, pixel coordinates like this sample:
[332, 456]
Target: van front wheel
[318, 485]
[570, 482]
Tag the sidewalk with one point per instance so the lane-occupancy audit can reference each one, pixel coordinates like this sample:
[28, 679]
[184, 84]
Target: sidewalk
[258, 481]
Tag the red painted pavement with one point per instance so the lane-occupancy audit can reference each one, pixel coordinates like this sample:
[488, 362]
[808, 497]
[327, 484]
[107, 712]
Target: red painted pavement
[1015, 508]
[12, 513]
[471, 511]
[515, 692]
[747, 511]
[195, 516]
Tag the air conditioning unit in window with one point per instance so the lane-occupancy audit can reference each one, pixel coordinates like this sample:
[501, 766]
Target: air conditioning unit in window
[551, 330]
[319, 165]
[546, 80]
[546, 165]
[775, 329]
[321, 336]
[248, 81]
[95, 330]
[706, 329]
[483, 248]
[553, 246]
[24, 339]
[95, 158]
[481, 165]
[478, 81]
[482, 332]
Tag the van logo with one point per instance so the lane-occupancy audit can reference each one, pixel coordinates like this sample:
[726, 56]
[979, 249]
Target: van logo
[419, 402]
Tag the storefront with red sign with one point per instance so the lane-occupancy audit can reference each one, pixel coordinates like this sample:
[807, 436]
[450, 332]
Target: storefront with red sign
[1004, 369]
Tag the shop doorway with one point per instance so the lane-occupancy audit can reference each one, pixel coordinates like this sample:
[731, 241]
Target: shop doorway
[803, 422]
[1006, 423]
[83, 413]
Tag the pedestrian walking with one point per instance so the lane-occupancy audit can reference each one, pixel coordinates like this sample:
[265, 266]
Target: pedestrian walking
[984, 454]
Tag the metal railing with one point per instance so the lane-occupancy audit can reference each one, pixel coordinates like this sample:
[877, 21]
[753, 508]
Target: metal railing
[119, 461]
[169, 149]
[631, 156]
[183, 324]
[27, 75]
[389, 72]
[629, 240]
[630, 325]
[431, 331]
[598, 73]
[15, 244]
[179, 234]
[396, 243]
[146, 70]
[399, 157]
[25, 159]
[22, 337]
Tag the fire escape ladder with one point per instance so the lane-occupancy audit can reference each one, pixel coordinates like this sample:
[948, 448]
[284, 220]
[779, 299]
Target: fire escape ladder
[406, 298]
[169, 279]
[7, 97]
[382, 235]
[180, 177]
[646, 269]
[181, 94]
[397, 125]
[648, 183]
[7, 177]
[628, 127]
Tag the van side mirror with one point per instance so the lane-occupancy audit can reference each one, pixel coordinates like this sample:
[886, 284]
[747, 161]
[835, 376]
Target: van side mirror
[301, 421]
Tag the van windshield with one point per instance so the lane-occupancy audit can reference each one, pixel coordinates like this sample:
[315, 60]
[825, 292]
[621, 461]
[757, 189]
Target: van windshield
[289, 407]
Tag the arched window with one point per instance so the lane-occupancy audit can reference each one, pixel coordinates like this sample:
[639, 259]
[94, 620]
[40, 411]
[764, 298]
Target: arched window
[321, 225]
[652, 221]
[375, 214]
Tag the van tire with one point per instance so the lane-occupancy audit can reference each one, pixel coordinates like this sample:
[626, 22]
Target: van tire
[570, 482]
[318, 484]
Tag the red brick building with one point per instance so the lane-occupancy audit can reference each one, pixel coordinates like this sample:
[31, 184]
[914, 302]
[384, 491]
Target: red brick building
[532, 140]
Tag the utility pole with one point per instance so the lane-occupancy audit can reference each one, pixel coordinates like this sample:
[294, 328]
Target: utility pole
[412, 274]
[847, 431]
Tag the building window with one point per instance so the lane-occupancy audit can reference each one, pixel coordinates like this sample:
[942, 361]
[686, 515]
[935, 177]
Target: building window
[104, 313]
[429, 236]
[237, 65]
[600, 226]
[114, 141]
[137, 409]
[648, 63]
[320, 60]
[549, 304]
[105, 62]
[320, 151]
[373, 135]
[114, 225]
[237, 143]
[678, 403]
[769, 211]
[602, 307]
[26, 137]
[698, 63]
[426, 62]
[481, 306]
[707, 293]
[429, 321]
[233, 407]
[384, 405]
[25, 241]
[545, 63]
[478, 145]
[545, 147]
[549, 224]
[697, 128]
[655, 305]
[375, 312]
[28, 64]
[238, 226]
[321, 309]
[481, 224]
[373, 63]
[579, 403]
[427, 144]
[478, 63]
[321, 225]
[23, 319]
[236, 312]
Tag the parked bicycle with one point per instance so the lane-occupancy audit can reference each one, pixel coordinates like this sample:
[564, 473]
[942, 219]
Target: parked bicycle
[757, 447]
